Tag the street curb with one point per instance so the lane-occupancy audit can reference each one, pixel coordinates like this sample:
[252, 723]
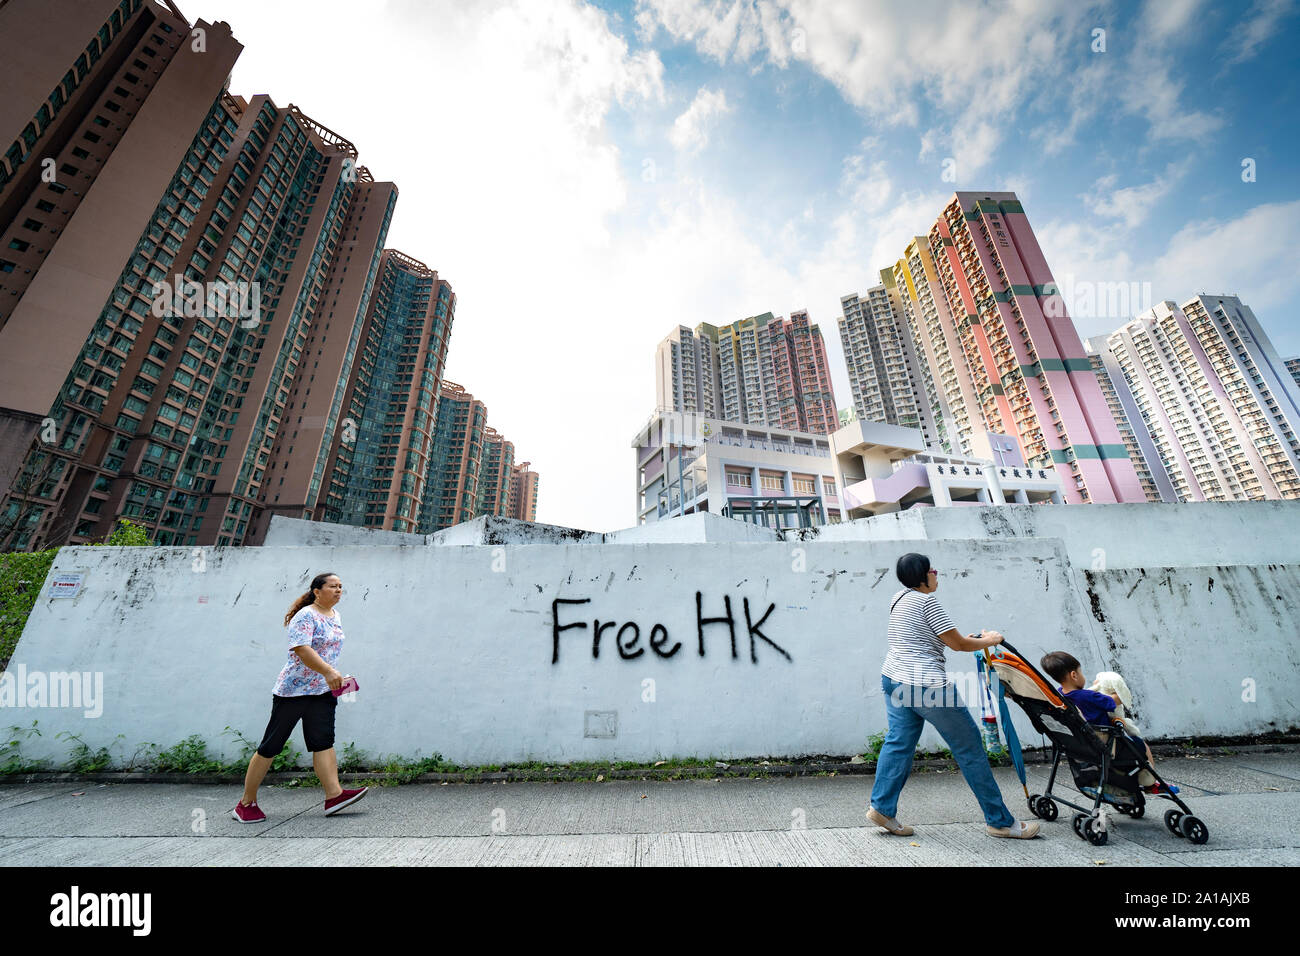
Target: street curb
[563, 774]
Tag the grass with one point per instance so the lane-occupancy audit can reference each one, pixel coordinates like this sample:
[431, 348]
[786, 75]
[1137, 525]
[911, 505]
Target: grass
[192, 756]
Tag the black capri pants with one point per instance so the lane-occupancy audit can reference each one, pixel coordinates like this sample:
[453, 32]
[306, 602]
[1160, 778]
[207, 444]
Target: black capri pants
[316, 711]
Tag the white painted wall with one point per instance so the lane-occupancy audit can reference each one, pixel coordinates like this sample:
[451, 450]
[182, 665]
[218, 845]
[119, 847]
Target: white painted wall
[1129, 535]
[456, 657]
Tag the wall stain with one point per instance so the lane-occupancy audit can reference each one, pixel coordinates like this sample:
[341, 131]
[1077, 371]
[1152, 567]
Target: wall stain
[1211, 587]
[880, 577]
[1095, 600]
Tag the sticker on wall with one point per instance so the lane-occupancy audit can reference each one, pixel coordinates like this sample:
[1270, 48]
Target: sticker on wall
[66, 585]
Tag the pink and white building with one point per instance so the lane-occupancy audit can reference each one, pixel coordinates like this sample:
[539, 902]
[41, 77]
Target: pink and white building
[1031, 378]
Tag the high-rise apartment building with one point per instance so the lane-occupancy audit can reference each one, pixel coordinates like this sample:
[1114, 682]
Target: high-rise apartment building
[801, 397]
[114, 111]
[1215, 397]
[1031, 378]
[686, 371]
[451, 491]
[1293, 366]
[216, 335]
[885, 375]
[760, 370]
[494, 479]
[382, 448]
[522, 500]
[1137, 439]
[946, 383]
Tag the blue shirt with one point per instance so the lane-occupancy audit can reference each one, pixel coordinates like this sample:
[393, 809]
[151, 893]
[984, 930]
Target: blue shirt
[1095, 707]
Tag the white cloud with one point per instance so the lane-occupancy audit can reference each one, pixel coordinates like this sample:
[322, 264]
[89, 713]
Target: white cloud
[1250, 255]
[888, 59]
[690, 132]
[1162, 20]
[1131, 205]
[1255, 29]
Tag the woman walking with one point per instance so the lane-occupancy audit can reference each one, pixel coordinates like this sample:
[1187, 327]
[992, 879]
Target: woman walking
[917, 690]
[303, 692]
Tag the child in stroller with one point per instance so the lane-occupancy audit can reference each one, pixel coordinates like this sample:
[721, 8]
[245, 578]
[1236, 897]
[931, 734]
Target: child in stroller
[1099, 707]
[1105, 762]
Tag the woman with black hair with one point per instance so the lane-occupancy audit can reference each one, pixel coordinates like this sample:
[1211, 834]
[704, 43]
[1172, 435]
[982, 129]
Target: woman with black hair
[917, 690]
[304, 691]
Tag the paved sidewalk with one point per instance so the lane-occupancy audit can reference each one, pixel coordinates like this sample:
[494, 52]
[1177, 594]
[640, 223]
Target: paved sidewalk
[1250, 803]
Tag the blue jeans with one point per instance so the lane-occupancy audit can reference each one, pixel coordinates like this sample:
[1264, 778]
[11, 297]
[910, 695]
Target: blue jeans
[907, 717]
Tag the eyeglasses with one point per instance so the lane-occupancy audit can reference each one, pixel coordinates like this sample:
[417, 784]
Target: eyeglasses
[933, 571]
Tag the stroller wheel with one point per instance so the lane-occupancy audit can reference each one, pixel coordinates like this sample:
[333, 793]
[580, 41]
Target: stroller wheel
[1192, 828]
[1172, 818]
[1078, 822]
[1046, 808]
[1137, 811]
[1033, 803]
[1094, 834]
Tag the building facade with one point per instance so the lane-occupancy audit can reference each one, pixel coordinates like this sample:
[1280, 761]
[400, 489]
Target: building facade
[1128, 417]
[883, 373]
[521, 502]
[1215, 399]
[494, 481]
[686, 371]
[770, 476]
[882, 468]
[762, 370]
[946, 383]
[1031, 378]
[379, 463]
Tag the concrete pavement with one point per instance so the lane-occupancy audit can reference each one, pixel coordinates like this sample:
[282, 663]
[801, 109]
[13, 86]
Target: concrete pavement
[1250, 802]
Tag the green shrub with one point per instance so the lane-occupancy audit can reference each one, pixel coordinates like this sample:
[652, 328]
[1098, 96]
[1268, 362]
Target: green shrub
[22, 575]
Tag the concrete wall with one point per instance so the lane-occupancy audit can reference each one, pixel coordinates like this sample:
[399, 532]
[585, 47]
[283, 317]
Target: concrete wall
[454, 646]
[1129, 535]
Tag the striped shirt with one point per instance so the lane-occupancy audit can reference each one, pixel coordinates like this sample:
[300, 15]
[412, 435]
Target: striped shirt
[915, 651]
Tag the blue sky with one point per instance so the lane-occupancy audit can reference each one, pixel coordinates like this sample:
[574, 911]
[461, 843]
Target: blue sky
[588, 176]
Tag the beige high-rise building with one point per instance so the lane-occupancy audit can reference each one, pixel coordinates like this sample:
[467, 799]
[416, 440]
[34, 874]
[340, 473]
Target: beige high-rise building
[946, 377]
[759, 370]
[686, 371]
[889, 381]
[522, 500]
[1214, 395]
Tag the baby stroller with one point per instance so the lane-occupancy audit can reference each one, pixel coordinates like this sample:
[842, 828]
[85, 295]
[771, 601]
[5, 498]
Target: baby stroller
[1105, 762]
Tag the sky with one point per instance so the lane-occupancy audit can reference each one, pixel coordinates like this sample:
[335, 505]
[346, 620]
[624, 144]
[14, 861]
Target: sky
[589, 176]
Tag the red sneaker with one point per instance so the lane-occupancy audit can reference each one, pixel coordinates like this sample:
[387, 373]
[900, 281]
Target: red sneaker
[248, 814]
[344, 799]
